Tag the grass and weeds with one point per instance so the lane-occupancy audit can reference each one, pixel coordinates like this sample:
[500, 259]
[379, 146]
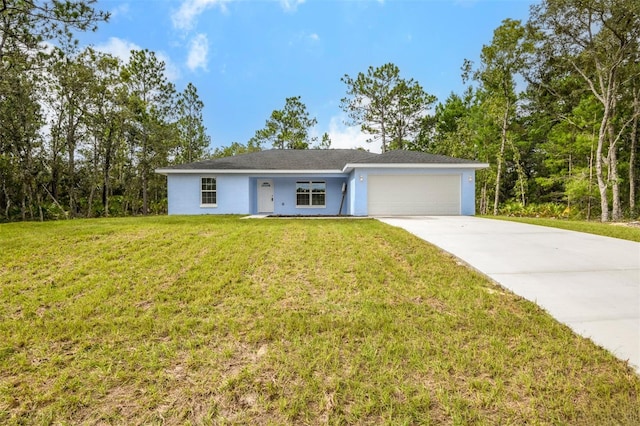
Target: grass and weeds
[614, 230]
[216, 320]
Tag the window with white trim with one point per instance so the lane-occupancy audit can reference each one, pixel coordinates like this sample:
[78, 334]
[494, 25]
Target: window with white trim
[311, 194]
[208, 193]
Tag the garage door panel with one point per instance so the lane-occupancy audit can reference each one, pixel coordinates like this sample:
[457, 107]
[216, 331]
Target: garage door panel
[413, 195]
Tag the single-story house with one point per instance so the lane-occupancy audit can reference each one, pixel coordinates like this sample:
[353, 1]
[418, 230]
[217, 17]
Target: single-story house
[324, 182]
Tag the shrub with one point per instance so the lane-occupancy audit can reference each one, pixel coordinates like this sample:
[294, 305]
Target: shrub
[549, 210]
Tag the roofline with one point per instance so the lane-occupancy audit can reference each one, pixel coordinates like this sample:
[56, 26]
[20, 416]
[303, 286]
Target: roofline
[347, 169]
[350, 166]
[244, 171]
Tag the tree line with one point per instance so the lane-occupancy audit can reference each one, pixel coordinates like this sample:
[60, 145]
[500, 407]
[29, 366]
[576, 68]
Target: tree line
[81, 132]
[552, 105]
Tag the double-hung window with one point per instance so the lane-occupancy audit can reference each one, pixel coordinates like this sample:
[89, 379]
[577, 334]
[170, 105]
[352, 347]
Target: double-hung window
[208, 193]
[311, 194]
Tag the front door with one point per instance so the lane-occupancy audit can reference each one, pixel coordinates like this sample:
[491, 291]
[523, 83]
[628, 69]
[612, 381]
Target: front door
[265, 196]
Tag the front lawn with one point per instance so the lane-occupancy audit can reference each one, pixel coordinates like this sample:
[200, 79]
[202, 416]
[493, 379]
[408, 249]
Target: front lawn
[614, 230]
[216, 320]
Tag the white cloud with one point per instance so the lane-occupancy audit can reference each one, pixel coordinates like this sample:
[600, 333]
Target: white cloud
[118, 47]
[349, 137]
[290, 5]
[314, 37]
[198, 50]
[189, 10]
[120, 10]
[122, 49]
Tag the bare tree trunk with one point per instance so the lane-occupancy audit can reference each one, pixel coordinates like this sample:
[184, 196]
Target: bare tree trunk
[145, 195]
[54, 200]
[590, 180]
[39, 201]
[23, 204]
[6, 195]
[520, 172]
[602, 184]
[105, 189]
[612, 156]
[106, 170]
[616, 208]
[632, 156]
[483, 198]
[143, 172]
[72, 182]
[90, 201]
[496, 199]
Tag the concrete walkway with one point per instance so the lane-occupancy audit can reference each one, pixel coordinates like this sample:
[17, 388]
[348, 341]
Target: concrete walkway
[588, 282]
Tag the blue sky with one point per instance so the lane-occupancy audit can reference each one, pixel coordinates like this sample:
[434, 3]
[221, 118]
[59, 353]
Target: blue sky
[247, 56]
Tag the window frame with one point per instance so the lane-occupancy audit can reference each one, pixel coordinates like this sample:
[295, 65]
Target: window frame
[310, 194]
[208, 191]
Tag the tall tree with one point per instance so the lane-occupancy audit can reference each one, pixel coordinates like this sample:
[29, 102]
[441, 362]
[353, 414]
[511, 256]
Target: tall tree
[634, 135]
[448, 132]
[501, 61]
[194, 140]
[106, 117]
[20, 122]
[386, 106]
[151, 134]
[24, 24]
[68, 98]
[595, 39]
[287, 128]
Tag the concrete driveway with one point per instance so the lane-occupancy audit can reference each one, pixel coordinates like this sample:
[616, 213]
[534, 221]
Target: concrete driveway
[588, 282]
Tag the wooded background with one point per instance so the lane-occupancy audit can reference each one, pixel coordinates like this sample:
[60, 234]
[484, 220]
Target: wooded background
[553, 105]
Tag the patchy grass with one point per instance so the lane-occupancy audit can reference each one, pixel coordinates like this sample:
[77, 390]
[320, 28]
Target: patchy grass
[215, 320]
[623, 231]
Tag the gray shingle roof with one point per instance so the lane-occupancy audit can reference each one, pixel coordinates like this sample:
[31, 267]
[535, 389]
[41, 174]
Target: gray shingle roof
[315, 159]
[415, 157]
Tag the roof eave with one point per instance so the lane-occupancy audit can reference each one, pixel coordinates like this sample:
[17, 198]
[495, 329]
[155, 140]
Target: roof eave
[350, 166]
[167, 172]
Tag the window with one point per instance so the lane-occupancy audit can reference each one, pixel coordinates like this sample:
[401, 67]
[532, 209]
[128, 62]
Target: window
[208, 194]
[310, 194]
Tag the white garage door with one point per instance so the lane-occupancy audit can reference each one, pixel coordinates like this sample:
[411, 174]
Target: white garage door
[391, 195]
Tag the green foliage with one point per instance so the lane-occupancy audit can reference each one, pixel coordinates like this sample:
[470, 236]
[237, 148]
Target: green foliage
[26, 24]
[598, 42]
[235, 148]
[194, 141]
[325, 143]
[287, 128]
[21, 172]
[110, 123]
[386, 106]
[549, 210]
[150, 134]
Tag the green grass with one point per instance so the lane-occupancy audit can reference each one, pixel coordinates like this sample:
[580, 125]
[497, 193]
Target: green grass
[614, 230]
[216, 320]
